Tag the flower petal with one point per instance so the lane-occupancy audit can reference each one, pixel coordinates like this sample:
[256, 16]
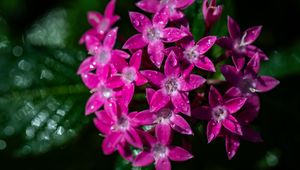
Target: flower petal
[160, 18]
[205, 63]
[213, 130]
[163, 164]
[140, 79]
[143, 159]
[115, 82]
[232, 125]
[133, 138]
[94, 18]
[149, 94]
[172, 67]
[234, 105]
[128, 92]
[90, 80]
[232, 145]
[110, 142]
[225, 42]
[266, 83]
[110, 8]
[214, 97]
[251, 50]
[205, 44]
[139, 21]
[173, 34]
[191, 82]
[120, 53]
[231, 74]
[102, 127]
[119, 63]
[202, 113]
[179, 154]
[233, 29]
[94, 103]
[233, 92]
[180, 125]
[250, 35]
[87, 65]
[253, 65]
[155, 50]
[163, 133]
[251, 110]
[181, 103]
[238, 61]
[124, 150]
[110, 38]
[135, 42]
[183, 3]
[154, 77]
[150, 6]
[136, 59]
[143, 118]
[159, 100]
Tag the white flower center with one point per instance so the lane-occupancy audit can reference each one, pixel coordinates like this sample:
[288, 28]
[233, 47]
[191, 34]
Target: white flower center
[129, 74]
[164, 115]
[247, 85]
[104, 57]
[171, 85]
[159, 151]
[191, 54]
[121, 125]
[153, 34]
[219, 113]
[107, 92]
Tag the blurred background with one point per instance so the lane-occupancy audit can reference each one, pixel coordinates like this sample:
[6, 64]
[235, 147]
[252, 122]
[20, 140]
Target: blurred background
[42, 125]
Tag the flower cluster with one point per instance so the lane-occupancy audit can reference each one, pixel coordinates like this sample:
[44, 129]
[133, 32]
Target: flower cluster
[165, 61]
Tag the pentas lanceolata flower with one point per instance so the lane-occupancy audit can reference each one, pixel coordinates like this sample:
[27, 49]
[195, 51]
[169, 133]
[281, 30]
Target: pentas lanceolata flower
[175, 74]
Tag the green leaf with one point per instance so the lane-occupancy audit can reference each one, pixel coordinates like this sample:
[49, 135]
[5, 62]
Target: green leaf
[283, 63]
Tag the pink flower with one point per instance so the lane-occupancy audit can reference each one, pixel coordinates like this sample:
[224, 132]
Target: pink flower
[101, 23]
[173, 7]
[239, 44]
[219, 114]
[153, 34]
[173, 86]
[161, 152]
[249, 82]
[130, 74]
[211, 12]
[104, 54]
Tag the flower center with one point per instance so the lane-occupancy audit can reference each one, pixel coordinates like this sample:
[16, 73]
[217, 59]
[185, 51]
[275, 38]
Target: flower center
[159, 151]
[104, 57]
[153, 34]
[129, 74]
[171, 85]
[163, 115]
[191, 54]
[107, 92]
[238, 46]
[219, 113]
[246, 85]
[121, 125]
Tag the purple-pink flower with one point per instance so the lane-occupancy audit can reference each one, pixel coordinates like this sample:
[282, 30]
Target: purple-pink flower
[153, 34]
[172, 86]
[211, 12]
[240, 45]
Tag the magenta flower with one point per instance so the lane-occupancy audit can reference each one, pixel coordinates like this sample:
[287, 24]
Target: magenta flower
[173, 86]
[130, 74]
[239, 44]
[100, 23]
[160, 152]
[249, 82]
[153, 34]
[104, 54]
[219, 114]
[173, 7]
[211, 12]
[118, 127]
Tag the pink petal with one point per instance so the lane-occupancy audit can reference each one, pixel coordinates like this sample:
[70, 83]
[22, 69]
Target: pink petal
[87, 65]
[103, 128]
[136, 59]
[110, 8]
[234, 29]
[111, 109]
[232, 93]
[140, 79]
[188, 70]
[173, 34]
[143, 159]
[149, 94]
[225, 42]
[252, 107]
[154, 77]
[94, 18]
[250, 35]
[128, 92]
[180, 125]
[214, 97]
[135, 42]
[205, 44]
[104, 117]
[183, 3]
[163, 164]
[115, 82]
[231, 74]
[155, 50]
[163, 133]
[90, 80]
[139, 21]
[118, 63]
[103, 73]
[232, 145]
[181, 103]
[191, 82]
[205, 63]
[147, 138]
[251, 50]
[150, 6]
[239, 62]
[176, 15]
[232, 125]
[94, 103]
[179, 154]
[133, 138]
[110, 142]
[234, 105]
[266, 83]
[160, 18]
[202, 113]
[120, 53]
[110, 38]
[125, 150]
[213, 130]
[172, 67]
[143, 118]
[159, 100]
[253, 65]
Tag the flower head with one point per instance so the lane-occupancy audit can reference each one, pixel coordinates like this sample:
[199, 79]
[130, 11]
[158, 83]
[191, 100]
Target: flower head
[211, 12]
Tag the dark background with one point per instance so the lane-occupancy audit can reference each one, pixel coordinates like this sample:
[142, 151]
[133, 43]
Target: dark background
[278, 121]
